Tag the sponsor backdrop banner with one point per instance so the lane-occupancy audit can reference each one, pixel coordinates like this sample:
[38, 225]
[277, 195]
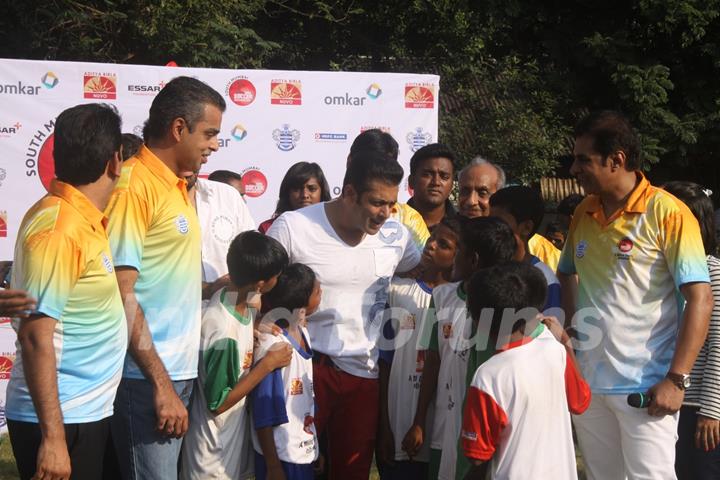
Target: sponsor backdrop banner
[273, 120]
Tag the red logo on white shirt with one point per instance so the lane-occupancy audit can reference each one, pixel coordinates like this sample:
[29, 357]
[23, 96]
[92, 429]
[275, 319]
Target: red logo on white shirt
[625, 245]
[247, 361]
[296, 386]
[447, 330]
[308, 423]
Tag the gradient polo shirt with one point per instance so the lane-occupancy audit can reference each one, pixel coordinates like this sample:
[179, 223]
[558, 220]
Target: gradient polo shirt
[62, 257]
[630, 267]
[154, 229]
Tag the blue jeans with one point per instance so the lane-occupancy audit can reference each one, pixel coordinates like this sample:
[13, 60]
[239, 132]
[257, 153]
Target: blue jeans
[143, 452]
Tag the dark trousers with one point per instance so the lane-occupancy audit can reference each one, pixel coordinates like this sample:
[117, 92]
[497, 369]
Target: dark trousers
[693, 463]
[85, 442]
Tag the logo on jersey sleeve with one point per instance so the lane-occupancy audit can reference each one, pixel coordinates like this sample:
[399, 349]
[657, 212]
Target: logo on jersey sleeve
[182, 225]
[107, 263]
[408, 322]
[625, 245]
[581, 249]
[247, 360]
[308, 423]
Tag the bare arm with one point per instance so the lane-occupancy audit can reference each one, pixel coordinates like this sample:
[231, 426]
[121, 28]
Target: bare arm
[386, 442]
[667, 397]
[277, 357]
[568, 296]
[267, 444]
[38, 356]
[172, 416]
[415, 437]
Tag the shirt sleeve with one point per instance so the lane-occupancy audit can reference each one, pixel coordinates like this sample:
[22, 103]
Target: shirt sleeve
[683, 247]
[411, 255]
[222, 369]
[553, 296]
[566, 263]
[280, 231]
[128, 223]
[576, 389]
[245, 220]
[483, 423]
[428, 328]
[268, 401]
[50, 266]
[416, 225]
[710, 394]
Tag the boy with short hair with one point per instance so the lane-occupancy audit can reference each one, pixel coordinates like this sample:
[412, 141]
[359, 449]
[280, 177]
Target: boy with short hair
[217, 444]
[522, 208]
[283, 404]
[513, 417]
[484, 242]
[402, 364]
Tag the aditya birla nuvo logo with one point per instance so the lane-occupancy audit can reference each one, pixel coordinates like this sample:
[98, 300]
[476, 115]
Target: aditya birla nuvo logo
[285, 92]
[39, 154]
[419, 95]
[100, 86]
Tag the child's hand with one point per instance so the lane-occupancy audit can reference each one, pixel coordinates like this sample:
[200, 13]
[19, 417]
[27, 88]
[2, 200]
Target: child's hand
[275, 473]
[557, 330]
[413, 441]
[278, 356]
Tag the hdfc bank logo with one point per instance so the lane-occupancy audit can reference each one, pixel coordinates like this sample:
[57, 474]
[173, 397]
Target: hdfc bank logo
[39, 154]
[285, 92]
[241, 91]
[3, 223]
[100, 86]
[254, 181]
[6, 364]
[7, 131]
[419, 95]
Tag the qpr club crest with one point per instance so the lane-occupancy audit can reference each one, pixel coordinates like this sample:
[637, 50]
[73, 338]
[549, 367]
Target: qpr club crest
[285, 138]
[418, 139]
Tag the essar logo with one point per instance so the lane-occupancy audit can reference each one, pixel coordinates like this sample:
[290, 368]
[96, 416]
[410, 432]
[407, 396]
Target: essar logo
[254, 181]
[100, 86]
[241, 91]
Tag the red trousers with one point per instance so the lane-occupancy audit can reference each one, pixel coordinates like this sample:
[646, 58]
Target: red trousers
[347, 411]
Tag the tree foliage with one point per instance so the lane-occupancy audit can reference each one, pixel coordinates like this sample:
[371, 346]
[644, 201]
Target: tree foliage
[515, 74]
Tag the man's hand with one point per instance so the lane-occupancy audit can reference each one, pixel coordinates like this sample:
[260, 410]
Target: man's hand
[172, 416]
[413, 440]
[278, 356]
[209, 289]
[553, 324]
[666, 398]
[707, 433]
[16, 303]
[386, 447]
[53, 460]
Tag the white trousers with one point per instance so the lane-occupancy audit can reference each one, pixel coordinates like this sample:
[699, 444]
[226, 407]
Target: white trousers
[621, 442]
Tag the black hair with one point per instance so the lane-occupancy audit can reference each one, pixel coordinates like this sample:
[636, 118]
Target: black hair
[131, 143]
[224, 176]
[701, 206]
[513, 285]
[490, 238]
[611, 131]
[555, 227]
[182, 97]
[86, 139]
[377, 141]
[293, 289]
[452, 223]
[295, 178]
[369, 166]
[523, 203]
[433, 150]
[568, 204]
[253, 257]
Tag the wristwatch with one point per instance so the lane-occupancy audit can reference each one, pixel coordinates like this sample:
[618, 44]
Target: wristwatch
[681, 380]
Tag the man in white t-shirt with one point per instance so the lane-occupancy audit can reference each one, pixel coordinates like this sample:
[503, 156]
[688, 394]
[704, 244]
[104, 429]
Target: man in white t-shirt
[354, 248]
[223, 215]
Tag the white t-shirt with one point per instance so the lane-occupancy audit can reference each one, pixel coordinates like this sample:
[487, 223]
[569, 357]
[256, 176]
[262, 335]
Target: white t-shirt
[219, 446]
[354, 279]
[223, 215]
[285, 400]
[517, 411]
[410, 300]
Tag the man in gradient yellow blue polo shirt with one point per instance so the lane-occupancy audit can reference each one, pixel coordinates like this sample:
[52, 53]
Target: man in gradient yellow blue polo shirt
[642, 298]
[155, 239]
[72, 346]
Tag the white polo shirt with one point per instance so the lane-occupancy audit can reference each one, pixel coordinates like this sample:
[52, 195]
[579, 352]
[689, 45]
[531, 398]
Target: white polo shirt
[223, 215]
[355, 282]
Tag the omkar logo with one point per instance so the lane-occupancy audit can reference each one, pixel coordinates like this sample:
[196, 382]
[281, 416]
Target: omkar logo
[285, 92]
[254, 181]
[6, 364]
[238, 132]
[39, 154]
[240, 91]
[7, 131]
[100, 86]
[419, 95]
[49, 81]
[3, 224]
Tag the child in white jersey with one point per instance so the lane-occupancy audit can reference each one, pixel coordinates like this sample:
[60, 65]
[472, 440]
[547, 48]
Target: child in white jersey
[283, 404]
[483, 242]
[402, 361]
[217, 444]
[515, 418]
